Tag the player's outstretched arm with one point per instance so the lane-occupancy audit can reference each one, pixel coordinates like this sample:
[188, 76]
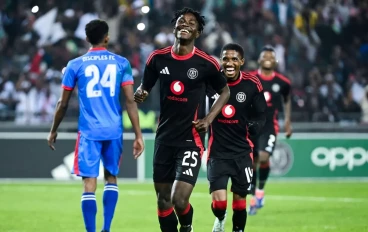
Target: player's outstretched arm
[132, 110]
[61, 108]
[201, 125]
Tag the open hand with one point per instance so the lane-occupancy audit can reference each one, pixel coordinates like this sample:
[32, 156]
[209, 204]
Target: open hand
[138, 147]
[51, 139]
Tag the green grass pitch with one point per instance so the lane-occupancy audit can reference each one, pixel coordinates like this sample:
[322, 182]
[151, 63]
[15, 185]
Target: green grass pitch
[290, 207]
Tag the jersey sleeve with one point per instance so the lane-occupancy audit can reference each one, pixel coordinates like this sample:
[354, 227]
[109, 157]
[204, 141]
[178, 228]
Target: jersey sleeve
[286, 89]
[69, 78]
[150, 74]
[257, 117]
[216, 80]
[127, 74]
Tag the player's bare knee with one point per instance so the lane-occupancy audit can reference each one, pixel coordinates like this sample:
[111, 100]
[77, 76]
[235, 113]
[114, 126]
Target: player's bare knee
[163, 201]
[163, 193]
[109, 178]
[180, 195]
[237, 197]
[180, 202]
[219, 195]
[90, 185]
[264, 157]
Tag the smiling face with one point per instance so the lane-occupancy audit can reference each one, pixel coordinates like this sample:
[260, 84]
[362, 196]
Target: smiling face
[186, 27]
[231, 62]
[267, 60]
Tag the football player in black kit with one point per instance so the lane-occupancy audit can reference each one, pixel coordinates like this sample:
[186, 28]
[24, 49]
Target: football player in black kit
[184, 72]
[229, 148]
[277, 90]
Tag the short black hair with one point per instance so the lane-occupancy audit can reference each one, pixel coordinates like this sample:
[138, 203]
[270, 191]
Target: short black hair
[96, 30]
[200, 18]
[235, 47]
[268, 48]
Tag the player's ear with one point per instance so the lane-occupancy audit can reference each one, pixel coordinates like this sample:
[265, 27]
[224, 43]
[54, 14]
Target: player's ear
[198, 34]
[242, 62]
[107, 38]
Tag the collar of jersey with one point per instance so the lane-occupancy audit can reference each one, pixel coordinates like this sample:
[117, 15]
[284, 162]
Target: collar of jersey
[96, 49]
[177, 57]
[237, 81]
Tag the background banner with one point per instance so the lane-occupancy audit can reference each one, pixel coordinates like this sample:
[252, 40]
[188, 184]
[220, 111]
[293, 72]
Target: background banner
[307, 155]
[27, 155]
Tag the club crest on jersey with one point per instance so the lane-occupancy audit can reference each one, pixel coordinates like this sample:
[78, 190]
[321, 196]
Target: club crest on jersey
[228, 111]
[240, 97]
[177, 87]
[275, 88]
[192, 73]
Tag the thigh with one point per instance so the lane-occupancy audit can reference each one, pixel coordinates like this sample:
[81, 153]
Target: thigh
[242, 175]
[267, 140]
[87, 157]
[218, 174]
[111, 155]
[163, 164]
[188, 162]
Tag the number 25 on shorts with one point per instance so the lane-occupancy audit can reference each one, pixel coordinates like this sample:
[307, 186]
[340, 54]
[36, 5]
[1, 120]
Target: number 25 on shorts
[190, 155]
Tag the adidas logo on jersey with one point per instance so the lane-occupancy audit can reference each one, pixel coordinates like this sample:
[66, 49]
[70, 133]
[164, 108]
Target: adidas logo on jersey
[188, 172]
[165, 71]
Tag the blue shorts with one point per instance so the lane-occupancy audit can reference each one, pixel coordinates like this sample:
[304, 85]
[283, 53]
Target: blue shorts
[88, 154]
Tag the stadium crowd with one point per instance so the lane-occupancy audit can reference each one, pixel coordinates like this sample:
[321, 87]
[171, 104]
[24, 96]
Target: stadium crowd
[321, 46]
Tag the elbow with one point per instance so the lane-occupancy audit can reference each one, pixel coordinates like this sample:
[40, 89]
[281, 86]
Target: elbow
[62, 105]
[130, 102]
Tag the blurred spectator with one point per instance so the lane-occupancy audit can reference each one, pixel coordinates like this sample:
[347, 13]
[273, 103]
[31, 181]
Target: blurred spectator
[364, 106]
[304, 29]
[312, 39]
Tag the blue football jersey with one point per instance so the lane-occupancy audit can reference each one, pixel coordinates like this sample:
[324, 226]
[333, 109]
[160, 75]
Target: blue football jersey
[99, 75]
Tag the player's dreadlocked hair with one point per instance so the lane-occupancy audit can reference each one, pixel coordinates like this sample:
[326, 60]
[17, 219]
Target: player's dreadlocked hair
[197, 15]
[96, 30]
[235, 47]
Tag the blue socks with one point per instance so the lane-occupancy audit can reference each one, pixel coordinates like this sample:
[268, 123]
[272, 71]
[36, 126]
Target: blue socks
[89, 210]
[110, 198]
[89, 207]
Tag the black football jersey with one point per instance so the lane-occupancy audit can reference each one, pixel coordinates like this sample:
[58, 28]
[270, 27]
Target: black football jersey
[229, 135]
[276, 88]
[183, 81]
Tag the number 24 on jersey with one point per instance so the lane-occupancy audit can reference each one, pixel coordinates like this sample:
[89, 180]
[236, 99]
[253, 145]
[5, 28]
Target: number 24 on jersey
[108, 80]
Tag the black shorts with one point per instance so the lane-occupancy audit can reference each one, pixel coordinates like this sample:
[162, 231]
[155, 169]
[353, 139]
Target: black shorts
[176, 163]
[240, 171]
[265, 140]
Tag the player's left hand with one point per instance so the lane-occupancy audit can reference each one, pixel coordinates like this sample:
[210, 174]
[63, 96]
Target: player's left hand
[288, 129]
[52, 139]
[201, 125]
[138, 147]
